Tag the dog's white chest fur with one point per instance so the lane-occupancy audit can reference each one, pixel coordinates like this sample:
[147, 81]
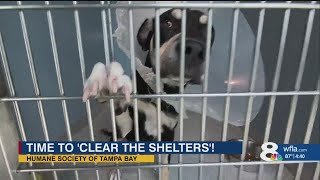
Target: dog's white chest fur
[125, 122]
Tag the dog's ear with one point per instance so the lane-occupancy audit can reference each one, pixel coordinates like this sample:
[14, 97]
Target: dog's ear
[145, 34]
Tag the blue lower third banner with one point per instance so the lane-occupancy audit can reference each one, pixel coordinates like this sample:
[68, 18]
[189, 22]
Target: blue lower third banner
[130, 147]
[290, 152]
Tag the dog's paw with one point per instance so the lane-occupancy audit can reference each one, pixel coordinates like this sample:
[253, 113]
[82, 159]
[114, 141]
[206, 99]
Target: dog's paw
[114, 175]
[110, 78]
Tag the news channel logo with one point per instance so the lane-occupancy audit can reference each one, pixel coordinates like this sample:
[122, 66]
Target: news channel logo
[269, 152]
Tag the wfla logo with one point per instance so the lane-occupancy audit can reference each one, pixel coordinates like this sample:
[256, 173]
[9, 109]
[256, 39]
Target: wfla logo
[269, 152]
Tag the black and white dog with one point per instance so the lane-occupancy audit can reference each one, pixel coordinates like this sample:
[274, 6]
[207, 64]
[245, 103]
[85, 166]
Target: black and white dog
[109, 79]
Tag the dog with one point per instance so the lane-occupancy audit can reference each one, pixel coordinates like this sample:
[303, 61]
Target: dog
[106, 80]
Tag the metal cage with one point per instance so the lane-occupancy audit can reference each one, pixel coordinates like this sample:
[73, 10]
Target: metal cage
[105, 8]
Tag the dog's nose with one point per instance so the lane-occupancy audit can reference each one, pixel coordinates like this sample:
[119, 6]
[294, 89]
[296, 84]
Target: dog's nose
[194, 50]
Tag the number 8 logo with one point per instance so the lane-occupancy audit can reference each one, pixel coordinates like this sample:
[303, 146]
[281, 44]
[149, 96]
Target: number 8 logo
[268, 148]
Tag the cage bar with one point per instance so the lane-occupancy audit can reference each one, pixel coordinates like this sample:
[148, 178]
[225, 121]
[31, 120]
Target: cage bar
[107, 53]
[59, 77]
[312, 118]
[110, 32]
[133, 69]
[205, 83]
[181, 85]
[158, 87]
[223, 5]
[83, 72]
[12, 94]
[108, 57]
[5, 159]
[230, 74]
[294, 100]
[134, 79]
[317, 172]
[174, 96]
[157, 54]
[175, 165]
[252, 87]
[34, 78]
[11, 88]
[276, 79]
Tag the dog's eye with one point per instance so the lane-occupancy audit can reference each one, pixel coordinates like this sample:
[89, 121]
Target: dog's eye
[169, 23]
